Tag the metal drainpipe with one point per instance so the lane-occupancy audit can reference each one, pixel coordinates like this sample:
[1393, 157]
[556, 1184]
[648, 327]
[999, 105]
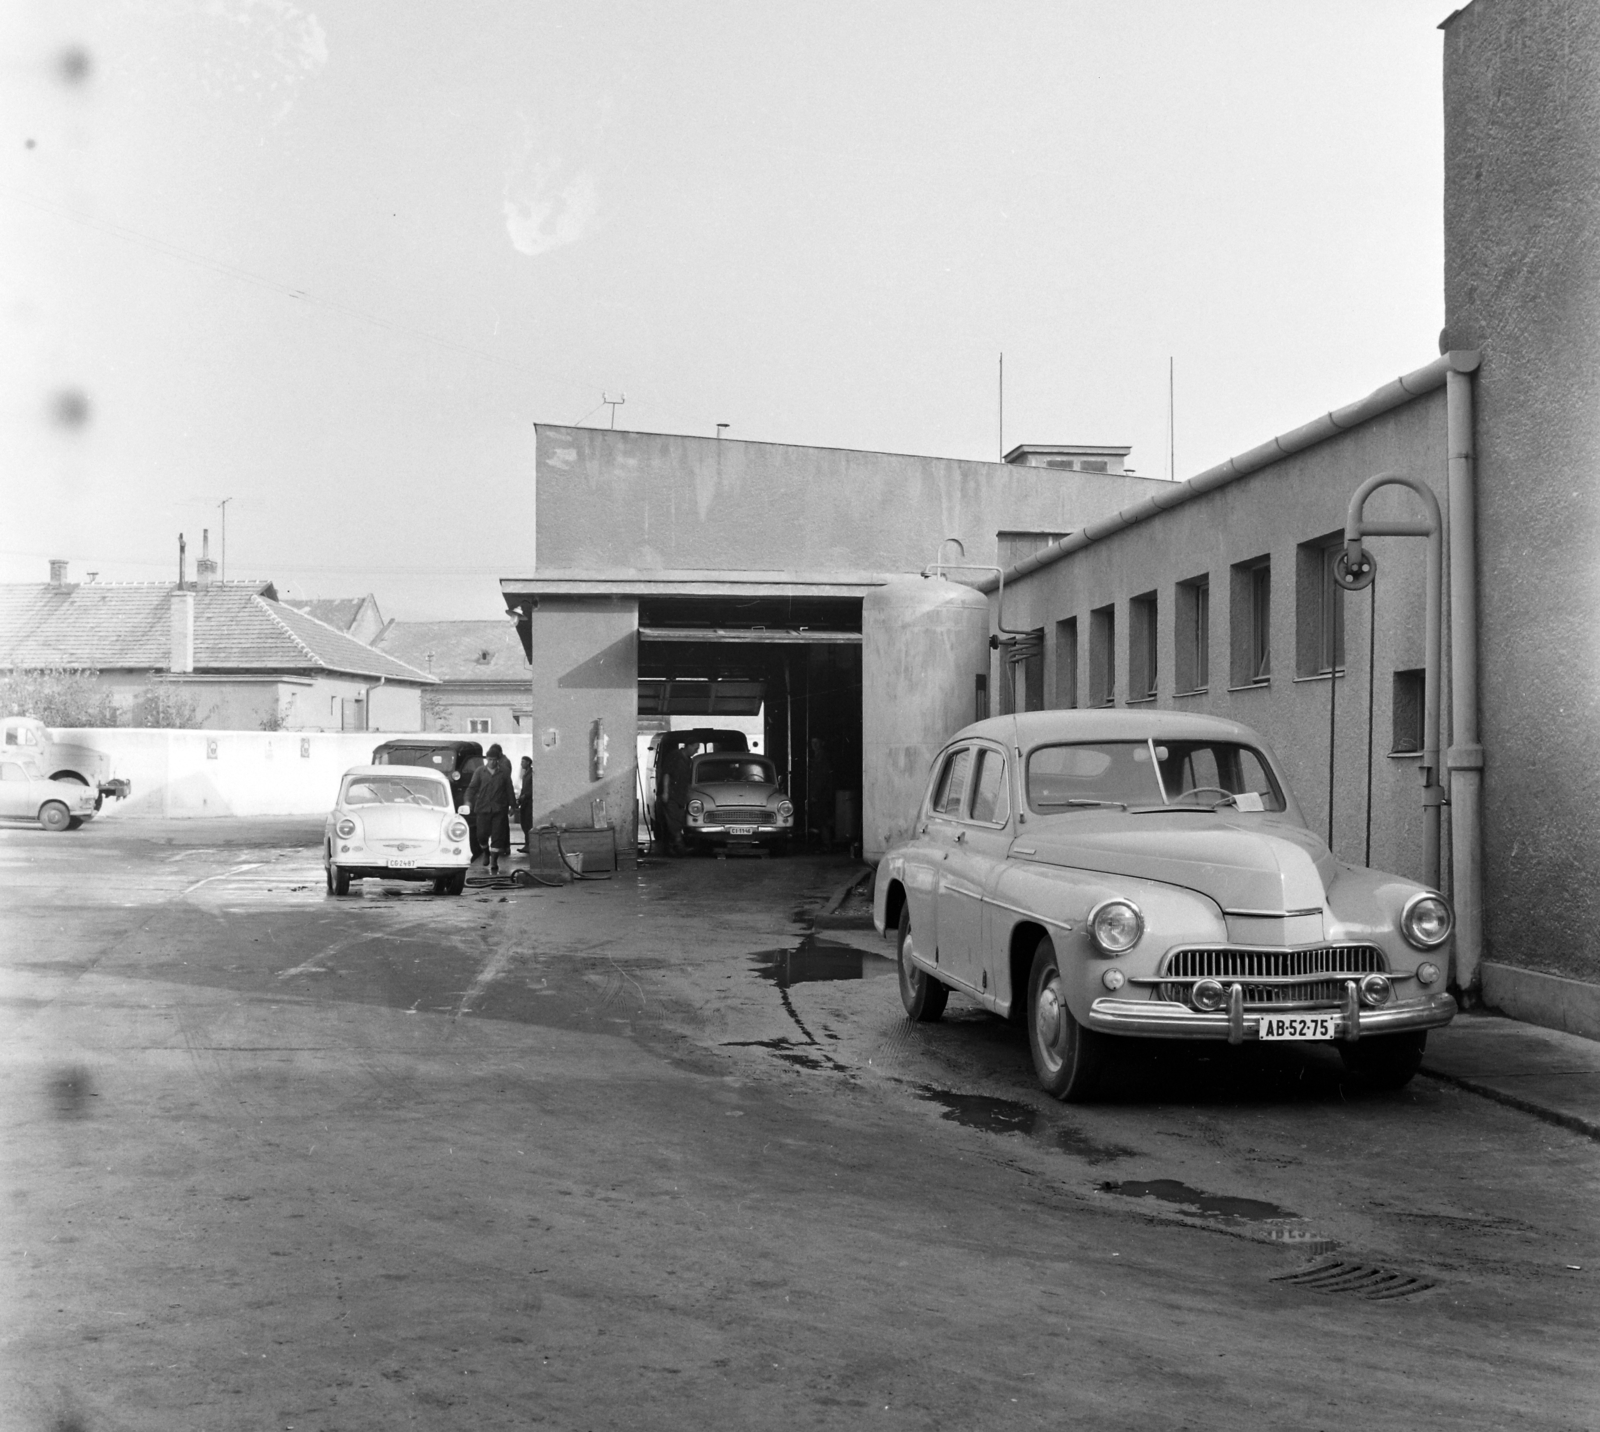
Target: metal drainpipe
[1355, 570]
[1464, 759]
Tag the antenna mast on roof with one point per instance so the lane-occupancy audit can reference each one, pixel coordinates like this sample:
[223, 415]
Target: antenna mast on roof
[1002, 407]
[1172, 442]
[614, 404]
[224, 506]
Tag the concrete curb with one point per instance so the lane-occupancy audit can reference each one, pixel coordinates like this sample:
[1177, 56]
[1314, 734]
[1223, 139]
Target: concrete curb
[828, 917]
[1573, 1123]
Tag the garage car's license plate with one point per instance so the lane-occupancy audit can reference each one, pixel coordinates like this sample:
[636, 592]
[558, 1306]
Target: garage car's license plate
[741, 830]
[402, 865]
[1297, 1026]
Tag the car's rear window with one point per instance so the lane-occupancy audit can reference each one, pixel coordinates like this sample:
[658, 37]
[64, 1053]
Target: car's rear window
[396, 790]
[1084, 775]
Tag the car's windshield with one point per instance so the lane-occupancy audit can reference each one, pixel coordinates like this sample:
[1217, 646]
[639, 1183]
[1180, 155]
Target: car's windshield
[721, 769]
[396, 790]
[1151, 774]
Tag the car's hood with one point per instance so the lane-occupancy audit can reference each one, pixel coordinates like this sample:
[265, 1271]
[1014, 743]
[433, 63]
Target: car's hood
[736, 793]
[393, 822]
[1265, 867]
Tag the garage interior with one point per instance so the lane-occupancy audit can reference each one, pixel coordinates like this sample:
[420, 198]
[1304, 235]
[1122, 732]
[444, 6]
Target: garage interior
[795, 660]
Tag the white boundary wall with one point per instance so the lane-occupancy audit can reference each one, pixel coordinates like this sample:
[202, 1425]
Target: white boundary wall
[221, 773]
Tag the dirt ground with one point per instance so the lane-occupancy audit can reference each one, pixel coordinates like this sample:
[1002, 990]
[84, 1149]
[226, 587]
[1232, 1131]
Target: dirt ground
[639, 1153]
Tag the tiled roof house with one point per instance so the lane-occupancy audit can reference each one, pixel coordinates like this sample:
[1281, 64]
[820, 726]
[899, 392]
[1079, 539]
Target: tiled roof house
[357, 617]
[483, 673]
[224, 656]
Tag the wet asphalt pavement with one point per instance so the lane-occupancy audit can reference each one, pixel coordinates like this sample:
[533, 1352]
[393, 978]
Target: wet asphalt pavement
[640, 1153]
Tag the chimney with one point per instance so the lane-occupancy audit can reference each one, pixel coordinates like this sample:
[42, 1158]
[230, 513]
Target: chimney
[205, 570]
[182, 631]
[58, 572]
[183, 549]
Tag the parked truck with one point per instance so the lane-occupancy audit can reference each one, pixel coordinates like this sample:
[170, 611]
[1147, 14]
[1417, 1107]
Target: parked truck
[62, 760]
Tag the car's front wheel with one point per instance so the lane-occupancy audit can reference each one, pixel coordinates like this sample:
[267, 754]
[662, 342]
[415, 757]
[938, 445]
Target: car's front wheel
[1385, 1061]
[923, 996]
[55, 816]
[1066, 1056]
[338, 880]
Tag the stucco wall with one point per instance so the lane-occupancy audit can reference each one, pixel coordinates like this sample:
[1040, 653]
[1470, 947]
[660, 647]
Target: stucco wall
[1270, 513]
[612, 500]
[255, 703]
[587, 672]
[243, 773]
[1522, 283]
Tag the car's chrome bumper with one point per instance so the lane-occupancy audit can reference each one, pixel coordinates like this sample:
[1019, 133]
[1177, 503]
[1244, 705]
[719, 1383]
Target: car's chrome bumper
[1164, 1019]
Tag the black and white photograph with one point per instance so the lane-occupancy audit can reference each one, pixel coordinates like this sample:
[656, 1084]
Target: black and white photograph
[738, 715]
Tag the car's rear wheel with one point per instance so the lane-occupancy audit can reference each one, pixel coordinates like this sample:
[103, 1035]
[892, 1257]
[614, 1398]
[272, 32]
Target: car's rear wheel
[1385, 1061]
[55, 816]
[923, 996]
[1066, 1056]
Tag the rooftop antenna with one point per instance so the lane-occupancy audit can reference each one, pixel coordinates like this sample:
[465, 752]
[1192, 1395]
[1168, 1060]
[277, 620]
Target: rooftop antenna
[1002, 407]
[1172, 443]
[224, 506]
[613, 404]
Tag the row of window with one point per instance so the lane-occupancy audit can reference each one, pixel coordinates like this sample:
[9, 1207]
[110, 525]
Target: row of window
[1319, 642]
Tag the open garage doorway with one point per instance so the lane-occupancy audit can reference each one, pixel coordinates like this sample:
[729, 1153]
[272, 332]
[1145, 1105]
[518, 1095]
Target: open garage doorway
[786, 672]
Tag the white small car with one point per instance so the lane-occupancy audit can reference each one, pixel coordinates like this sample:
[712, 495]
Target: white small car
[396, 823]
[26, 793]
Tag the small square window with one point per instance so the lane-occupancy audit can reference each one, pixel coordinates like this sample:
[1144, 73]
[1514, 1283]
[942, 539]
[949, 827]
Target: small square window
[478, 725]
[1142, 647]
[1250, 620]
[1410, 690]
[1067, 663]
[1103, 656]
[1319, 608]
[1192, 616]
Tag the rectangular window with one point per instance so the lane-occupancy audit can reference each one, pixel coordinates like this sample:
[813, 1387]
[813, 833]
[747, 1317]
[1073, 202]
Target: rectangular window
[1031, 670]
[1192, 615]
[1250, 622]
[1142, 647]
[947, 795]
[1319, 608]
[478, 725]
[1067, 663]
[991, 804]
[980, 698]
[1103, 656]
[1410, 688]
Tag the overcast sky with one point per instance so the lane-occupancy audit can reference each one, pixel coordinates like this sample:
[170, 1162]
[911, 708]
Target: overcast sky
[333, 260]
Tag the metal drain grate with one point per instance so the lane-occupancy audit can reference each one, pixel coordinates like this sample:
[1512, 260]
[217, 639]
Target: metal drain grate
[1360, 1280]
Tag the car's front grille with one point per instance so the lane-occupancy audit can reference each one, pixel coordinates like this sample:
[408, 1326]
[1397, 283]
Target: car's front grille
[1274, 977]
[738, 815]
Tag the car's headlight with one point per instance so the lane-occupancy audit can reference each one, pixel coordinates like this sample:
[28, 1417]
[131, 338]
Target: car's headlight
[456, 829]
[1426, 921]
[1115, 926]
[345, 828]
[697, 807]
[785, 811]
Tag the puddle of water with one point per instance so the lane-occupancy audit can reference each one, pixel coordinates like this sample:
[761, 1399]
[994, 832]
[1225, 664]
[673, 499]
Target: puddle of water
[979, 1111]
[817, 959]
[1209, 1205]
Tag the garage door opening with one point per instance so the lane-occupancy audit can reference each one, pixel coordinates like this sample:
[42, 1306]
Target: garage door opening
[786, 672]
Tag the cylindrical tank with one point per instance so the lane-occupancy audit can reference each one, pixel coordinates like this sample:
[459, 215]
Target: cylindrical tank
[924, 646]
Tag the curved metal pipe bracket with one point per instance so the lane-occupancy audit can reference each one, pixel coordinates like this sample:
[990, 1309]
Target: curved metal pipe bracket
[938, 567]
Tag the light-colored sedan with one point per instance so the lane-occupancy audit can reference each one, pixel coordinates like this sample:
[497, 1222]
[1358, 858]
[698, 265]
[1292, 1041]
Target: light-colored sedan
[1094, 874]
[395, 823]
[734, 799]
[26, 793]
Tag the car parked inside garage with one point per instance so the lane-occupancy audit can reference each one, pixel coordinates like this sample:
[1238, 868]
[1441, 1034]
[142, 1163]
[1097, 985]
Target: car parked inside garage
[1106, 874]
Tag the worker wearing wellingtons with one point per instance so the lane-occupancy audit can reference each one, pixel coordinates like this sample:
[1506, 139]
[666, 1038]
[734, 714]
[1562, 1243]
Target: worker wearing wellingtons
[488, 802]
